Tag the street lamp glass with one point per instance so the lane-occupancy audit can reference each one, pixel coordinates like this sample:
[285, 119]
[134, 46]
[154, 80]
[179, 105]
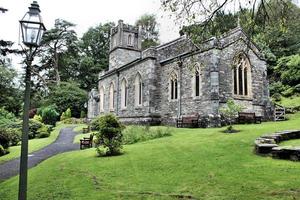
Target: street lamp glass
[32, 27]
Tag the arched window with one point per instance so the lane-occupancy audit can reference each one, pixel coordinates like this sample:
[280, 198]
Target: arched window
[124, 93]
[173, 86]
[241, 75]
[130, 40]
[197, 81]
[101, 98]
[138, 90]
[111, 97]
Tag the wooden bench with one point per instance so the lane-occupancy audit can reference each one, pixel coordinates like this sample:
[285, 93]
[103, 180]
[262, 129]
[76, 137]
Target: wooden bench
[87, 142]
[245, 117]
[189, 120]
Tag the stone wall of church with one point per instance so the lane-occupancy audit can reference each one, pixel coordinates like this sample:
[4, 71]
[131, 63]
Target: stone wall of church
[187, 103]
[147, 70]
[119, 57]
[259, 84]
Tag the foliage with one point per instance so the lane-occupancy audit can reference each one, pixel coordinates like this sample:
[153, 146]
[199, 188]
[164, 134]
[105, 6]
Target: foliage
[276, 97]
[49, 115]
[43, 132]
[10, 95]
[55, 43]
[38, 118]
[82, 114]
[14, 136]
[134, 134]
[150, 32]
[288, 68]
[6, 117]
[95, 124]
[221, 23]
[4, 138]
[2, 150]
[230, 111]
[34, 145]
[66, 115]
[68, 95]
[110, 135]
[94, 46]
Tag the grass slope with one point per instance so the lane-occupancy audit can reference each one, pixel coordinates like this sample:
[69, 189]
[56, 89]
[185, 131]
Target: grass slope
[291, 102]
[193, 163]
[33, 145]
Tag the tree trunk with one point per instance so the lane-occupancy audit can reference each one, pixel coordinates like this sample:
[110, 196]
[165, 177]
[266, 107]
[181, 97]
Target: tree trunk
[56, 67]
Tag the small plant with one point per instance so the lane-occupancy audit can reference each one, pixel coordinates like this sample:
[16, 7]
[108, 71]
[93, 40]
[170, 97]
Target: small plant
[109, 136]
[38, 118]
[66, 115]
[230, 111]
[49, 115]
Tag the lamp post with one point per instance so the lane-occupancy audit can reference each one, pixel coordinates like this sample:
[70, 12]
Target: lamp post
[32, 29]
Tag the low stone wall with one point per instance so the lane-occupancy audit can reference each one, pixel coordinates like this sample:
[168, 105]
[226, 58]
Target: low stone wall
[269, 145]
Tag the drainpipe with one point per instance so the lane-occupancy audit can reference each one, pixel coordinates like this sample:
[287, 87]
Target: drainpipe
[118, 88]
[179, 85]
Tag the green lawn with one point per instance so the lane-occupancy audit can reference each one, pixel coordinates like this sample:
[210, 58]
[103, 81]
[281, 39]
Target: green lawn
[196, 163]
[34, 144]
[291, 143]
[290, 102]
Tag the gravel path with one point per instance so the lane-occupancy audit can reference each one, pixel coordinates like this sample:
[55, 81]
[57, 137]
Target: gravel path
[63, 143]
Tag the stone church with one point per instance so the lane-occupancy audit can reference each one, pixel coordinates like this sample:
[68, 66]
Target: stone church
[178, 78]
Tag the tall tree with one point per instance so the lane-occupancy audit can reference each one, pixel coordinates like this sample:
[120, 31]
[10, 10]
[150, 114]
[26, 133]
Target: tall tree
[55, 43]
[203, 11]
[10, 95]
[94, 48]
[150, 30]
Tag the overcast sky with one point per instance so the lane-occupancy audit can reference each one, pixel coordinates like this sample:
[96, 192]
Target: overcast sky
[85, 14]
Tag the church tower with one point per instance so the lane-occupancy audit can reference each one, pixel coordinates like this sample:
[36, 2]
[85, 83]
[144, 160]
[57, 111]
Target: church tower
[125, 45]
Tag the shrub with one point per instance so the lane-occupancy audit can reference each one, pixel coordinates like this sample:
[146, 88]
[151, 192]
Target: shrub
[276, 97]
[43, 132]
[3, 151]
[109, 135]
[6, 117]
[37, 128]
[95, 124]
[49, 115]
[68, 95]
[14, 136]
[134, 134]
[289, 92]
[4, 138]
[38, 118]
[66, 115]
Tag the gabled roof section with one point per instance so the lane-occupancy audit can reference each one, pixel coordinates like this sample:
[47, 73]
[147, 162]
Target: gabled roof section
[225, 40]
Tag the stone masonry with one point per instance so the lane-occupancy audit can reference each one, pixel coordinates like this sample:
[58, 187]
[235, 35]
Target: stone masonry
[155, 65]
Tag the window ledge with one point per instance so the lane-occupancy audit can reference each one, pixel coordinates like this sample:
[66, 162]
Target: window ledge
[138, 107]
[197, 97]
[239, 97]
[173, 100]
